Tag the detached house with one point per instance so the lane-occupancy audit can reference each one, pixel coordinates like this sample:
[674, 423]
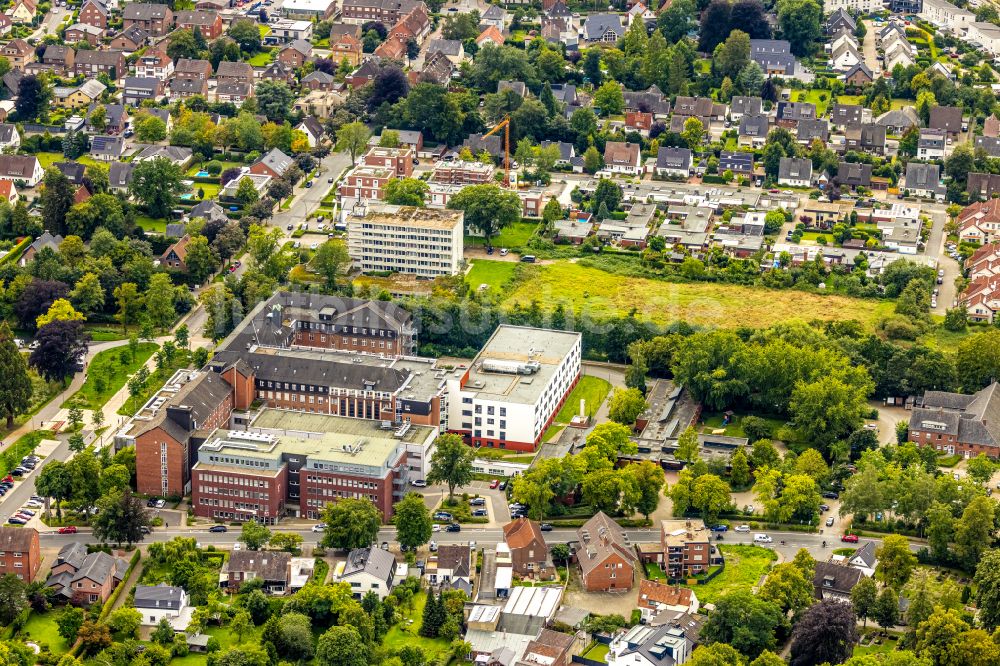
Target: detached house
[271, 567]
[156, 602]
[924, 180]
[94, 13]
[605, 555]
[795, 172]
[22, 11]
[130, 39]
[19, 53]
[234, 71]
[623, 158]
[83, 579]
[528, 550]
[603, 28]
[173, 257]
[345, 46]
[368, 570]
[19, 554]
[274, 164]
[9, 138]
[656, 598]
[21, 169]
[835, 581]
[673, 162]
[83, 32]
[295, 53]
[155, 19]
[451, 568]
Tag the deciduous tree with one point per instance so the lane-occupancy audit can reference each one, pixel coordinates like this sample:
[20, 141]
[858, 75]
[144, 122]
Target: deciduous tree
[451, 463]
[351, 523]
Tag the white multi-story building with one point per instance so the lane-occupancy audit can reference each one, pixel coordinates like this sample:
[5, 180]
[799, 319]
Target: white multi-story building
[985, 34]
[514, 387]
[947, 16]
[421, 241]
[854, 6]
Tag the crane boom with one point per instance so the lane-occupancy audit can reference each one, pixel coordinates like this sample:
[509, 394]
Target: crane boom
[505, 126]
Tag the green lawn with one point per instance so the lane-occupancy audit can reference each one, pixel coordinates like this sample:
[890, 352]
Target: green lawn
[849, 99]
[24, 445]
[598, 294]
[552, 432]
[106, 375]
[194, 169]
[407, 632]
[493, 273]
[42, 629]
[515, 236]
[888, 644]
[211, 190]
[744, 567]
[48, 159]
[149, 224]
[156, 381]
[597, 652]
[593, 391]
[261, 59]
[654, 572]
[814, 97]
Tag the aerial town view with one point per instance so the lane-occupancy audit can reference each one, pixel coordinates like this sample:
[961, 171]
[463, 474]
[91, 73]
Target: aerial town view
[499, 333]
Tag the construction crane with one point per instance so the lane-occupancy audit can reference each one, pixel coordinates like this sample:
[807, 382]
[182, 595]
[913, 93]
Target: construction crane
[505, 126]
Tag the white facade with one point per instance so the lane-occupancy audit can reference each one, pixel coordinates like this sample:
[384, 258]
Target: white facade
[946, 15]
[856, 6]
[514, 387]
[419, 241]
[986, 34]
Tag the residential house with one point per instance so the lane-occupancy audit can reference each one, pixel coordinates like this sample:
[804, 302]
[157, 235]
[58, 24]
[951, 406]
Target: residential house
[241, 72]
[605, 555]
[451, 48]
[87, 93]
[864, 559]
[83, 579]
[684, 551]
[19, 554]
[295, 53]
[842, 115]
[313, 130]
[835, 581]
[947, 118]
[931, 144]
[637, 121]
[155, 19]
[107, 148]
[983, 185]
[74, 171]
[8, 192]
[839, 22]
[367, 570]
[741, 106]
[309, 10]
[651, 100]
[91, 63]
[120, 175]
[365, 73]
[271, 567]
[286, 30]
[58, 59]
[773, 55]
[947, 16]
[9, 137]
[177, 155]
[858, 76]
[623, 158]
[989, 144]
[156, 602]
[605, 28]
[19, 53]
[452, 567]
[438, 69]
[115, 118]
[274, 164]
[173, 257]
[490, 36]
[83, 32]
[854, 175]
[845, 54]
[347, 47]
[494, 17]
[130, 39]
[795, 171]
[898, 121]
[753, 131]
[656, 598]
[24, 169]
[741, 164]
[520, 88]
[865, 138]
[209, 210]
[43, 241]
[154, 65]
[807, 131]
[317, 80]
[22, 11]
[184, 88]
[641, 645]
[980, 222]
[138, 89]
[94, 13]
[279, 71]
[192, 70]
[208, 23]
[924, 180]
[5, 24]
[790, 113]
[575, 230]
[528, 550]
[233, 92]
[673, 162]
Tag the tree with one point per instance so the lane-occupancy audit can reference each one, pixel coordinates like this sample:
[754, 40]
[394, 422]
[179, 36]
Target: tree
[60, 344]
[788, 587]
[157, 183]
[389, 86]
[274, 99]
[406, 191]
[150, 128]
[750, 17]
[830, 408]
[255, 535]
[693, 132]
[240, 625]
[350, 523]
[413, 521]
[33, 96]
[687, 446]
[895, 561]
[121, 517]
[716, 654]
[69, 622]
[125, 622]
[609, 99]
[88, 294]
[863, 597]
[625, 405]
[341, 646]
[164, 633]
[715, 26]
[246, 33]
[886, 611]
[353, 137]
[246, 192]
[801, 24]
[733, 55]
[811, 463]
[129, 303]
[974, 530]
[711, 496]
[938, 634]
[159, 301]
[745, 622]
[56, 200]
[827, 632]
[330, 261]
[739, 468]
[980, 468]
[648, 479]
[592, 160]
[488, 209]
[15, 390]
[987, 585]
[451, 463]
[55, 481]
[114, 477]
[201, 259]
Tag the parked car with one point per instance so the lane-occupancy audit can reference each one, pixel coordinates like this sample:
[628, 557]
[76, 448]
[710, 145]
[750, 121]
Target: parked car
[433, 546]
[218, 528]
[742, 528]
[494, 483]
[69, 529]
[454, 527]
[849, 538]
[545, 527]
[480, 513]
[14, 520]
[442, 515]
[831, 495]
[720, 528]
[503, 485]
[160, 503]
[477, 501]
[418, 483]
[829, 521]
[436, 527]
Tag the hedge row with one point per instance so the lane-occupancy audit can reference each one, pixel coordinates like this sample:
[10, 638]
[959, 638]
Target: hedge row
[17, 250]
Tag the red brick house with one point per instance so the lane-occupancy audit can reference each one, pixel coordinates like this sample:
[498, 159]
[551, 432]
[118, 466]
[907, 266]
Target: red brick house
[528, 550]
[606, 558]
[274, 164]
[295, 53]
[155, 19]
[83, 578]
[94, 13]
[193, 70]
[83, 32]
[92, 63]
[639, 122]
[173, 256]
[208, 23]
[130, 40]
[272, 567]
[19, 553]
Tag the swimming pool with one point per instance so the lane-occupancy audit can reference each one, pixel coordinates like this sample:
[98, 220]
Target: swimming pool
[202, 174]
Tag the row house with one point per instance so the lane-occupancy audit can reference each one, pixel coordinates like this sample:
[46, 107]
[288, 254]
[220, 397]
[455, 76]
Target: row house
[187, 69]
[138, 89]
[185, 88]
[233, 92]
[241, 72]
[155, 19]
[386, 12]
[83, 32]
[209, 24]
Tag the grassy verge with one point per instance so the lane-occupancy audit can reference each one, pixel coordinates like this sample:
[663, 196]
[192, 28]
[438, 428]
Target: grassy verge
[592, 390]
[108, 373]
[744, 567]
[24, 445]
[156, 381]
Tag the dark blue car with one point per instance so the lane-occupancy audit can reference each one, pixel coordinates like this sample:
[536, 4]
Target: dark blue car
[720, 528]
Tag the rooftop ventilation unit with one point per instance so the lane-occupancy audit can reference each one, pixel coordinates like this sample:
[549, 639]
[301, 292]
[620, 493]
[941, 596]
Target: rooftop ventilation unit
[510, 367]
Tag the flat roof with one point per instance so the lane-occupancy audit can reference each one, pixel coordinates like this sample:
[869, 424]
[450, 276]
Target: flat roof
[330, 447]
[286, 420]
[534, 601]
[517, 362]
[411, 216]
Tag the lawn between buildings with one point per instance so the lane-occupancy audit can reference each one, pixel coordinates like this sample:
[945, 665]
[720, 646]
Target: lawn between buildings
[157, 379]
[744, 567]
[407, 632]
[107, 374]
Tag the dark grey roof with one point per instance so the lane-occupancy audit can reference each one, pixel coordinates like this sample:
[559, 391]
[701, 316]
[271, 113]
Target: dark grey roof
[923, 177]
[934, 138]
[807, 130]
[972, 419]
[120, 173]
[773, 54]
[7, 132]
[854, 174]
[314, 126]
[755, 126]
[193, 86]
[97, 566]
[796, 111]
[113, 112]
[946, 117]
[990, 144]
[158, 596]
[135, 34]
[175, 230]
[209, 210]
[47, 240]
[673, 158]
[866, 554]
[276, 160]
[73, 554]
[107, 145]
[840, 18]
[449, 47]
[199, 397]
[234, 70]
[598, 25]
[860, 67]
[735, 161]
[269, 565]
[650, 100]
[746, 105]
[318, 76]
[142, 83]
[563, 92]
[373, 561]
[799, 168]
[566, 150]
[846, 114]
[478, 143]
[694, 106]
[517, 86]
[179, 154]
[456, 558]
[72, 170]
[836, 578]
[905, 117]
[144, 11]
[869, 135]
[234, 88]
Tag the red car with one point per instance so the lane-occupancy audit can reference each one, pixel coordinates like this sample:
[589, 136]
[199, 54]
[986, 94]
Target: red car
[494, 483]
[69, 529]
[849, 538]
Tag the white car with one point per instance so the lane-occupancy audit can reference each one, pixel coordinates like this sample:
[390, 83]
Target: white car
[313, 246]
[237, 546]
[504, 251]
[321, 527]
[762, 538]
[433, 546]
[742, 528]
[160, 503]
[436, 527]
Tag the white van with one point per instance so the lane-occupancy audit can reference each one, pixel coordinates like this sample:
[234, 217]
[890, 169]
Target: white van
[762, 538]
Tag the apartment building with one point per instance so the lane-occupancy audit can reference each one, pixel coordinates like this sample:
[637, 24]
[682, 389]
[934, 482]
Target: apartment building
[155, 19]
[459, 172]
[386, 12]
[19, 553]
[510, 392]
[956, 423]
[687, 550]
[420, 241]
[947, 16]
[376, 169]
